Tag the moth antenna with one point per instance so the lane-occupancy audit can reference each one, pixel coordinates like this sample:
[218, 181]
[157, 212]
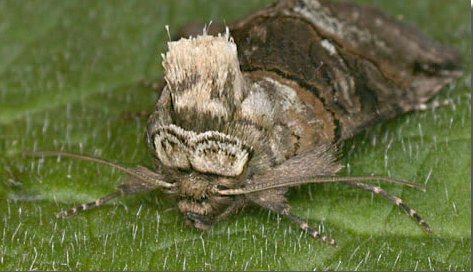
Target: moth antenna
[87, 206]
[316, 179]
[397, 201]
[135, 172]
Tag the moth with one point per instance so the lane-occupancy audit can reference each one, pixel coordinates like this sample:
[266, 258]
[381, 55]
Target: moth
[246, 114]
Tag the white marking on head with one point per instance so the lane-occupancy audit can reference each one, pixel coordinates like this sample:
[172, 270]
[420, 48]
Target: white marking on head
[207, 152]
[170, 146]
[218, 153]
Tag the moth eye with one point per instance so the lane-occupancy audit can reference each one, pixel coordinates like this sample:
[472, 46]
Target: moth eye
[170, 146]
[219, 154]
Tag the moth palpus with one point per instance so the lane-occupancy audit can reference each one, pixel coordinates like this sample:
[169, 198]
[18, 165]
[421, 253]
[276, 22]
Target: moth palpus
[249, 113]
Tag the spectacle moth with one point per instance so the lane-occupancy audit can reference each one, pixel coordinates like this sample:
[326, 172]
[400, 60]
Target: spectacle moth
[246, 114]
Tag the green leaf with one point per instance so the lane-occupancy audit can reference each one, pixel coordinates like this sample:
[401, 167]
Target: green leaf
[69, 70]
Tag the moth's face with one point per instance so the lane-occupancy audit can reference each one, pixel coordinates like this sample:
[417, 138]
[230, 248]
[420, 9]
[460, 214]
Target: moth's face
[196, 202]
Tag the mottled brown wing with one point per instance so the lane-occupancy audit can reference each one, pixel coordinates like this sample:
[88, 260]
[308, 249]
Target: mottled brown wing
[363, 65]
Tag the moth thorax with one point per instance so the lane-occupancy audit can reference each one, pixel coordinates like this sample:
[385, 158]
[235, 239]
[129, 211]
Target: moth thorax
[203, 75]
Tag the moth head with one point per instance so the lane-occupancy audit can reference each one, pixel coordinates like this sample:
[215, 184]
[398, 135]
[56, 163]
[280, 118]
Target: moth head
[203, 75]
[204, 88]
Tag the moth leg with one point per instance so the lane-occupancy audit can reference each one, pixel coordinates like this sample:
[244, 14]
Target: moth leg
[232, 209]
[199, 221]
[396, 200]
[274, 200]
[305, 227]
[87, 206]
